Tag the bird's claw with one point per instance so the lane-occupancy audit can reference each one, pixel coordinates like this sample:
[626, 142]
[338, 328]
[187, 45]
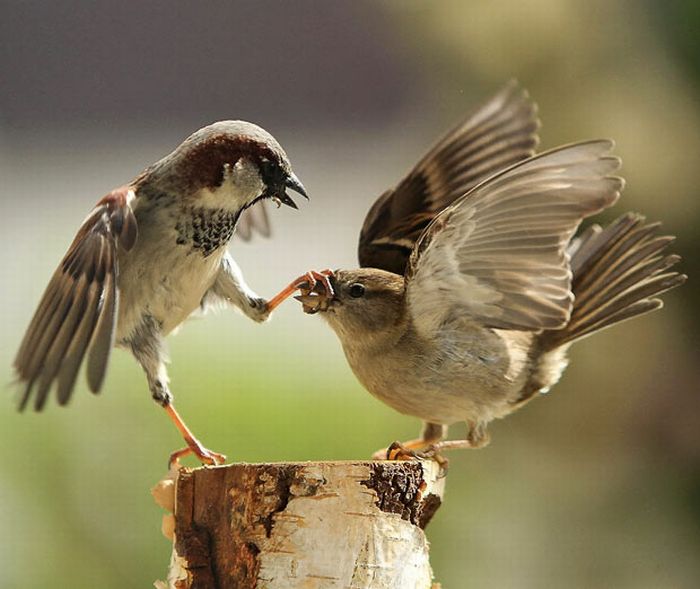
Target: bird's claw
[397, 451]
[258, 309]
[306, 283]
[316, 290]
[309, 281]
[204, 455]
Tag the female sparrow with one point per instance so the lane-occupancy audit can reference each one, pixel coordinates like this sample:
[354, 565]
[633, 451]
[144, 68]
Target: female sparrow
[472, 290]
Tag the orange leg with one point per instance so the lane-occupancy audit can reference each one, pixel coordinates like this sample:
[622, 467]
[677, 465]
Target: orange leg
[194, 446]
[431, 434]
[431, 444]
[306, 281]
[399, 450]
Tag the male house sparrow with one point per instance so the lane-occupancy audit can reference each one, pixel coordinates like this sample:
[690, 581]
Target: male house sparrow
[472, 290]
[148, 255]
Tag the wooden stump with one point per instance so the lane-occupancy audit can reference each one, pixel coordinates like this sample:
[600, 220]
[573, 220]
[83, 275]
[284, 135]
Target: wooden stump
[312, 525]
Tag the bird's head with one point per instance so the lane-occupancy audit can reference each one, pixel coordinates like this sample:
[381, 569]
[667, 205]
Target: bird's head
[365, 302]
[229, 165]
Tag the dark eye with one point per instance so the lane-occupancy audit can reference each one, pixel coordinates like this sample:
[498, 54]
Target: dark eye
[270, 171]
[357, 290]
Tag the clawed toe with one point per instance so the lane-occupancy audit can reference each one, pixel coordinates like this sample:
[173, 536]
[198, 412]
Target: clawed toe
[204, 455]
[398, 451]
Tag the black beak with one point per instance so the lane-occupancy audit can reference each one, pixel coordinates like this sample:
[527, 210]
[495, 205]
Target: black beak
[284, 198]
[281, 196]
[295, 184]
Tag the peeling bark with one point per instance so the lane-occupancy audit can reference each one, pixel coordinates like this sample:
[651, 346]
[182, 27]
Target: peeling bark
[356, 525]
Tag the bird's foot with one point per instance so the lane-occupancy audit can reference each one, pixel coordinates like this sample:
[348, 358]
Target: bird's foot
[258, 309]
[399, 451]
[306, 283]
[402, 450]
[412, 450]
[194, 446]
[316, 291]
[314, 278]
[204, 455]
[432, 452]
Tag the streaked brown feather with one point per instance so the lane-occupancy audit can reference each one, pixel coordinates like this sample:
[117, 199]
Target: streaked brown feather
[77, 313]
[498, 134]
[68, 372]
[102, 339]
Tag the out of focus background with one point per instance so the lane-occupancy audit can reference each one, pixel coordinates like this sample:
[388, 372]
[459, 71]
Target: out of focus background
[595, 485]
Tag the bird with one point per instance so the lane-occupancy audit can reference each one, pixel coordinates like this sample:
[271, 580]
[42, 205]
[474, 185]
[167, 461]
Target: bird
[149, 254]
[472, 285]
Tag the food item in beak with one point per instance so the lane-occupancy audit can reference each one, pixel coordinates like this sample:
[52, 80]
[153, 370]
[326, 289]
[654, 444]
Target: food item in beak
[314, 299]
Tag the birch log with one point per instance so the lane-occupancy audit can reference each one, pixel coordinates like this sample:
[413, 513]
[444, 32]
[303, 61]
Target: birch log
[314, 525]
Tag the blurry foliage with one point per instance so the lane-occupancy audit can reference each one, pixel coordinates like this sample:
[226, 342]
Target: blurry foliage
[678, 23]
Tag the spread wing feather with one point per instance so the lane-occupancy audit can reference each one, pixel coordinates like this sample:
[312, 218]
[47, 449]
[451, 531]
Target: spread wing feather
[500, 133]
[499, 254]
[78, 312]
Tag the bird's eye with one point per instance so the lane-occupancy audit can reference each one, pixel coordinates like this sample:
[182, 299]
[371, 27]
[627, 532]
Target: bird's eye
[266, 166]
[269, 171]
[357, 290]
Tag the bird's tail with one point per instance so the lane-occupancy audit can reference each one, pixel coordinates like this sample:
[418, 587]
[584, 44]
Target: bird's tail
[617, 274]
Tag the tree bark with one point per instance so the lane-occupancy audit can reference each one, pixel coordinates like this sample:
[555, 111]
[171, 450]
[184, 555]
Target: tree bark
[314, 525]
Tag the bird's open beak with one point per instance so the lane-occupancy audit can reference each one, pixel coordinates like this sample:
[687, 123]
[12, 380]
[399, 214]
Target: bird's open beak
[293, 183]
[312, 303]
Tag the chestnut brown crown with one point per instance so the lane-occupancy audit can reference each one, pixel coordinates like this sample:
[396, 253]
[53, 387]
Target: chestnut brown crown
[200, 161]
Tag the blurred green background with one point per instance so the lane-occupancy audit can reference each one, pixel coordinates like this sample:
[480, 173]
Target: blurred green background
[595, 485]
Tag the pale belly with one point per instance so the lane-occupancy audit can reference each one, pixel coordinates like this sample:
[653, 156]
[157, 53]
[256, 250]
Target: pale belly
[166, 284]
[474, 377]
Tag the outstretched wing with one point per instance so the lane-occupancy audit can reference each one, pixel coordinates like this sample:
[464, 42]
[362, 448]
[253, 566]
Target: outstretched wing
[253, 220]
[499, 253]
[77, 314]
[501, 132]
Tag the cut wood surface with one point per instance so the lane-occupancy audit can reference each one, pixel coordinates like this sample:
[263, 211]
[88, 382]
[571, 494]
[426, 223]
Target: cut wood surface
[311, 525]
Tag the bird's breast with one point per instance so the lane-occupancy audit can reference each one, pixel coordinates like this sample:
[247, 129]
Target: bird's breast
[169, 270]
[205, 230]
[463, 374]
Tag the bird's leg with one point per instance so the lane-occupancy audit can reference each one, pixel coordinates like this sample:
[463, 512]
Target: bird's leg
[194, 446]
[431, 434]
[477, 437]
[164, 398]
[230, 286]
[306, 281]
[148, 348]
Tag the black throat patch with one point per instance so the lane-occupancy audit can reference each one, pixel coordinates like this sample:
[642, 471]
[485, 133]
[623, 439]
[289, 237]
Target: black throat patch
[206, 230]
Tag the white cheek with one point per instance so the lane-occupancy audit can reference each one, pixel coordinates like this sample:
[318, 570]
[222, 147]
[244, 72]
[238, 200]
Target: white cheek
[242, 184]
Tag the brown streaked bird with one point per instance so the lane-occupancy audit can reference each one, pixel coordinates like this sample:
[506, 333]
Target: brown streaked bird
[148, 255]
[473, 289]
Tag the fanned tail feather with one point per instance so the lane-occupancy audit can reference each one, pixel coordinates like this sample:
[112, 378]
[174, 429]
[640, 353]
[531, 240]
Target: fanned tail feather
[617, 274]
